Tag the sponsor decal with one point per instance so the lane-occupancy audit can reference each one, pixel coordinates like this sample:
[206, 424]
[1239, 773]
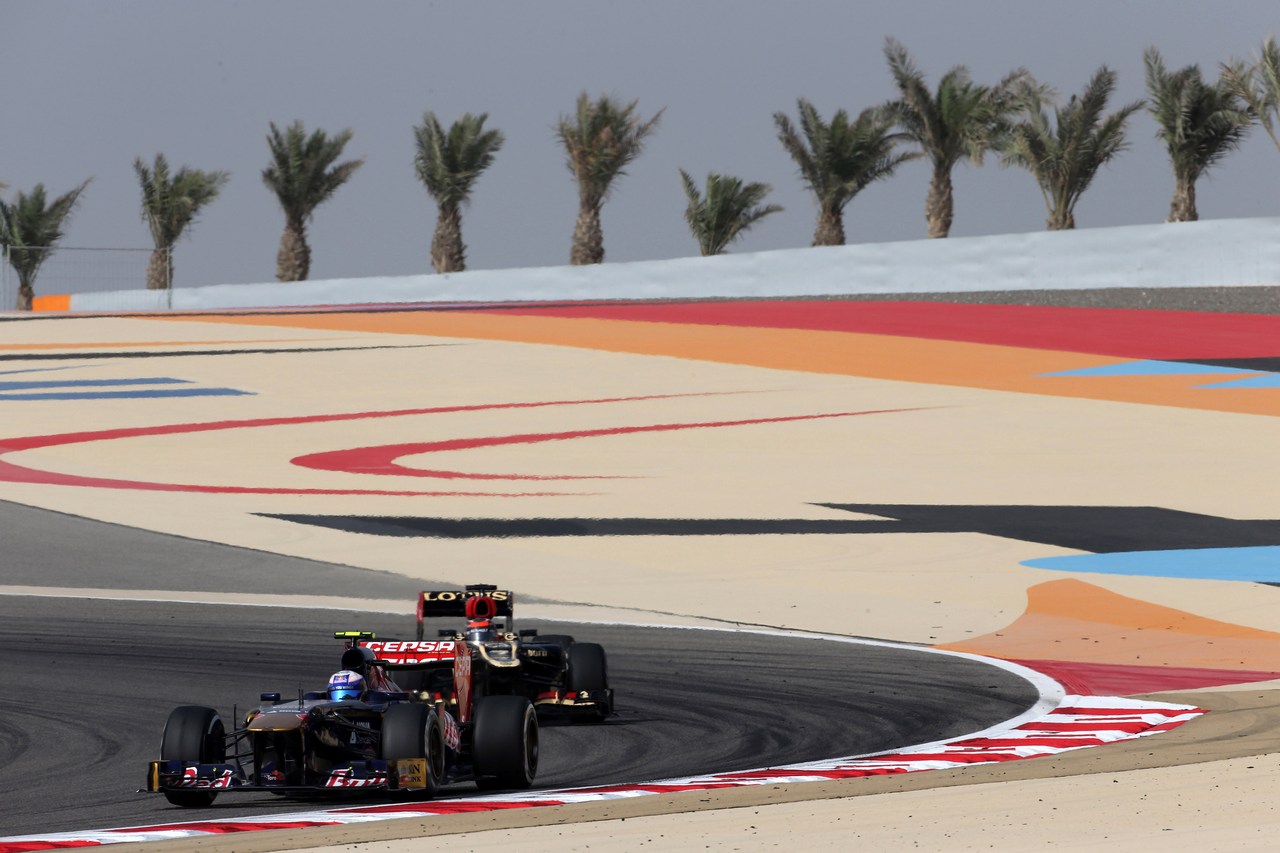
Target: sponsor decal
[193, 778]
[462, 686]
[452, 734]
[343, 778]
[411, 651]
[463, 595]
[411, 772]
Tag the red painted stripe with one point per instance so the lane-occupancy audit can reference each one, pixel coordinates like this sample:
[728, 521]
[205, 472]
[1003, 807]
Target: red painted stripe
[382, 460]
[226, 827]
[1102, 331]
[1130, 726]
[1111, 679]
[15, 473]
[1052, 742]
[443, 807]
[958, 757]
[27, 846]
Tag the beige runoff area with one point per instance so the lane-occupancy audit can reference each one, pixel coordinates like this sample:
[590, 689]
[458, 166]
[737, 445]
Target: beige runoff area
[957, 446]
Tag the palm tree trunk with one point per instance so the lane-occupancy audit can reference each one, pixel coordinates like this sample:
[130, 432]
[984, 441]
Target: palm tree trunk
[1063, 219]
[939, 205]
[830, 230]
[448, 252]
[160, 269]
[588, 239]
[1183, 206]
[293, 261]
[26, 293]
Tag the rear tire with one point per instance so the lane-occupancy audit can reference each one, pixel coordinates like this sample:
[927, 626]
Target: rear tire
[505, 742]
[589, 673]
[414, 731]
[195, 735]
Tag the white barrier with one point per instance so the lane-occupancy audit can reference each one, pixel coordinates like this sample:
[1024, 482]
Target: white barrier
[1226, 252]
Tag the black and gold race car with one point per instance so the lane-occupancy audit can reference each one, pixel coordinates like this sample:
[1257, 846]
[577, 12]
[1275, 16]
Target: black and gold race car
[560, 676]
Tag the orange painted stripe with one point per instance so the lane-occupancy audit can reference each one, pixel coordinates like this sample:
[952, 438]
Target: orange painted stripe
[52, 302]
[939, 362]
[1070, 620]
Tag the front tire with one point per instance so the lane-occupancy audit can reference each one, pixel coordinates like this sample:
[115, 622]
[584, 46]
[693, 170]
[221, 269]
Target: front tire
[195, 735]
[414, 731]
[505, 742]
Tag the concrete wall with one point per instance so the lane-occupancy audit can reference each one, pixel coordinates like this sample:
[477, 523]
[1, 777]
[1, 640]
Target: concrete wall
[1218, 252]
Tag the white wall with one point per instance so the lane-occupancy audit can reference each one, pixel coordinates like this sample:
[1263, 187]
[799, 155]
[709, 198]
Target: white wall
[1218, 252]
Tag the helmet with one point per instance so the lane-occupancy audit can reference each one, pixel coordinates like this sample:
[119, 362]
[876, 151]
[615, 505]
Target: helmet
[346, 685]
[480, 630]
[480, 610]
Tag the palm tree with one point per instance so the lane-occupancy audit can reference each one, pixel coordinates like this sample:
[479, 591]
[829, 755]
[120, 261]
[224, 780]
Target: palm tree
[30, 227]
[728, 209]
[170, 204]
[839, 160]
[448, 164]
[962, 119]
[600, 139]
[302, 174]
[1199, 123]
[1258, 85]
[1063, 156]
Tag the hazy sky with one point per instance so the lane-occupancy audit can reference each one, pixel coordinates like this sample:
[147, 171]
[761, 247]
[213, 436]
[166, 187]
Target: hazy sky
[89, 86]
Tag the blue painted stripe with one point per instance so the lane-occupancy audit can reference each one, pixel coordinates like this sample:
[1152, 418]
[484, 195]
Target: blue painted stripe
[1258, 564]
[1267, 380]
[1152, 368]
[126, 395]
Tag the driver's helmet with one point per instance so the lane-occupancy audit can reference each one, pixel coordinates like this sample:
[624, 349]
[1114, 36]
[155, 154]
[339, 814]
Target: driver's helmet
[480, 630]
[480, 612]
[346, 685]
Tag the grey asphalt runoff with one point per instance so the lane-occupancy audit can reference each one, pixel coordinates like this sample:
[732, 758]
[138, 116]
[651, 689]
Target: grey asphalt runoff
[99, 677]
[53, 549]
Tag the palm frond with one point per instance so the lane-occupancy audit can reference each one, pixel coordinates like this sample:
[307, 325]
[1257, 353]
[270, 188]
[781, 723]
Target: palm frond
[302, 172]
[1200, 123]
[31, 227]
[171, 202]
[840, 158]
[600, 140]
[449, 162]
[727, 210]
[1064, 155]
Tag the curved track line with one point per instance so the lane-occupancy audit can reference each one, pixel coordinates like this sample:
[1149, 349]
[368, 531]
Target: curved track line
[382, 460]
[15, 473]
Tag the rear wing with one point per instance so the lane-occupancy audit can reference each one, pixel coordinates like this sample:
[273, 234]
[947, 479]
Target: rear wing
[434, 603]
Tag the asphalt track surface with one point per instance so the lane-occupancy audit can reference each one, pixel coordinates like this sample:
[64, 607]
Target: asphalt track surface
[87, 684]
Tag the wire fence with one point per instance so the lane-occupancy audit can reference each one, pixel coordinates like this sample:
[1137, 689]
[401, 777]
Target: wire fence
[72, 270]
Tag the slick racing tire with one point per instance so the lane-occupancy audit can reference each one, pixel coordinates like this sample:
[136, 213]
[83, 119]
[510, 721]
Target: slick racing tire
[414, 731]
[195, 735]
[505, 742]
[589, 673]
